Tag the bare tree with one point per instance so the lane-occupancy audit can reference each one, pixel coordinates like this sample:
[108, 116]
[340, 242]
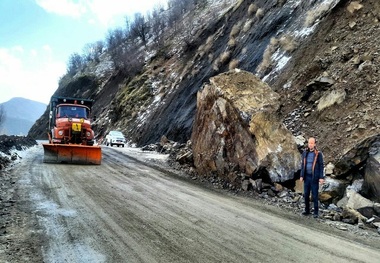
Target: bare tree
[175, 12]
[93, 51]
[75, 64]
[200, 3]
[139, 27]
[128, 59]
[157, 24]
[115, 38]
[127, 27]
[180, 6]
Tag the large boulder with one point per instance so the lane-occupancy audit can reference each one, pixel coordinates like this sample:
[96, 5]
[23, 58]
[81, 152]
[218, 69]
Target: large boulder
[237, 129]
[353, 200]
[330, 98]
[275, 145]
[371, 185]
[366, 155]
[355, 156]
[332, 190]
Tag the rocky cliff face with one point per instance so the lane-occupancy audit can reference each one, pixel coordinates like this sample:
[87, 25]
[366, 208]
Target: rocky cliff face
[321, 58]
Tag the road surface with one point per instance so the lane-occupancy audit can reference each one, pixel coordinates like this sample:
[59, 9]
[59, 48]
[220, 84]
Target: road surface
[126, 211]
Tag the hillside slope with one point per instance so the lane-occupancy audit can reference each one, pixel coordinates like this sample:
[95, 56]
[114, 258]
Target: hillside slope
[20, 115]
[321, 57]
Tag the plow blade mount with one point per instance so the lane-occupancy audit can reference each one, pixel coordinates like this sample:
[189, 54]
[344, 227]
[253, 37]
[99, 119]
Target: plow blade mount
[72, 153]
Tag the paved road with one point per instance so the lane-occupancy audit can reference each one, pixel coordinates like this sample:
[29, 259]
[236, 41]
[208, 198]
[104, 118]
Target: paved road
[126, 211]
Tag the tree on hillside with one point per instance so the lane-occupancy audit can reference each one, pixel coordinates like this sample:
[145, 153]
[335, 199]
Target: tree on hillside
[115, 38]
[175, 12]
[75, 64]
[93, 51]
[200, 3]
[139, 28]
[178, 8]
[128, 60]
[157, 25]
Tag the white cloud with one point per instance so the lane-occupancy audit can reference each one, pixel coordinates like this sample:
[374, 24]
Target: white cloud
[7, 62]
[107, 12]
[33, 53]
[63, 7]
[22, 75]
[18, 49]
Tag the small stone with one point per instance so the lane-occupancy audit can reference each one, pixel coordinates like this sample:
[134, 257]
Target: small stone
[283, 194]
[369, 221]
[245, 184]
[330, 168]
[337, 217]
[342, 228]
[296, 198]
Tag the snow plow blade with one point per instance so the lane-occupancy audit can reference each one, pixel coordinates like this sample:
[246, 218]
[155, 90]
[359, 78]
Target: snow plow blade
[72, 153]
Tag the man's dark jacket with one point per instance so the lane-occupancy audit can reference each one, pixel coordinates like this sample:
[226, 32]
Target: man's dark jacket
[317, 169]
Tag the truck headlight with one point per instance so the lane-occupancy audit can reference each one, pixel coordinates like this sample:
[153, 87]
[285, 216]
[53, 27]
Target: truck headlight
[60, 132]
[88, 134]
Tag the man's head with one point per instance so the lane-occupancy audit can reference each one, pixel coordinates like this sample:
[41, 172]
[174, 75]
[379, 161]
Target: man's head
[311, 143]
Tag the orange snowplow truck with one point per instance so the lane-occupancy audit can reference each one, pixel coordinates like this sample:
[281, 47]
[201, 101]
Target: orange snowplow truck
[71, 139]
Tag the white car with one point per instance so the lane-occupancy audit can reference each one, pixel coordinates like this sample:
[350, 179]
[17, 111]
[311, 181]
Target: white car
[115, 138]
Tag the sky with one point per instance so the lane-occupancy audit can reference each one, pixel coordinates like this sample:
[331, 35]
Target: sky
[37, 38]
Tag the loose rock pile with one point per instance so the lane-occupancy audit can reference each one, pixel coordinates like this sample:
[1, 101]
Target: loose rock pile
[352, 212]
[8, 144]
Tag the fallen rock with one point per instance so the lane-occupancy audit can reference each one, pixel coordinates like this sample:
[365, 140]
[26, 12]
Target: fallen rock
[355, 156]
[351, 216]
[275, 145]
[329, 168]
[332, 190]
[356, 185]
[371, 185]
[300, 141]
[237, 128]
[299, 187]
[356, 201]
[330, 98]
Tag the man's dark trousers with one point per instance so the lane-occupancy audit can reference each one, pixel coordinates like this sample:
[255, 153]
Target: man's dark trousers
[313, 186]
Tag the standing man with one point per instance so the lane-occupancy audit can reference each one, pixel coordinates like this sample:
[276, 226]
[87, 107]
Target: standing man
[312, 175]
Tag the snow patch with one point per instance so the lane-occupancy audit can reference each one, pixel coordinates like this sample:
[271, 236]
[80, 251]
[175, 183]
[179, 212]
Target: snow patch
[52, 208]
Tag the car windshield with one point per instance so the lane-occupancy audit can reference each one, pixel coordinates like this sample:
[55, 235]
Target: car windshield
[116, 133]
[72, 112]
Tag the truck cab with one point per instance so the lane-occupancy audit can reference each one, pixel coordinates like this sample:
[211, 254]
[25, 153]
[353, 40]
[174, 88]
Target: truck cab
[70, 121]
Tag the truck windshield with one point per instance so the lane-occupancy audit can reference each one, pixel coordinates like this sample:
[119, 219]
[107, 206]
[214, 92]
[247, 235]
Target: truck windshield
[72, 112]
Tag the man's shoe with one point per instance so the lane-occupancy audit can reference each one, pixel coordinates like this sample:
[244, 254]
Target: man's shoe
[304, 213]
[315, 215]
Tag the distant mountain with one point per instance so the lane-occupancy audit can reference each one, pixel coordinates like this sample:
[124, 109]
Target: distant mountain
[20, 115]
